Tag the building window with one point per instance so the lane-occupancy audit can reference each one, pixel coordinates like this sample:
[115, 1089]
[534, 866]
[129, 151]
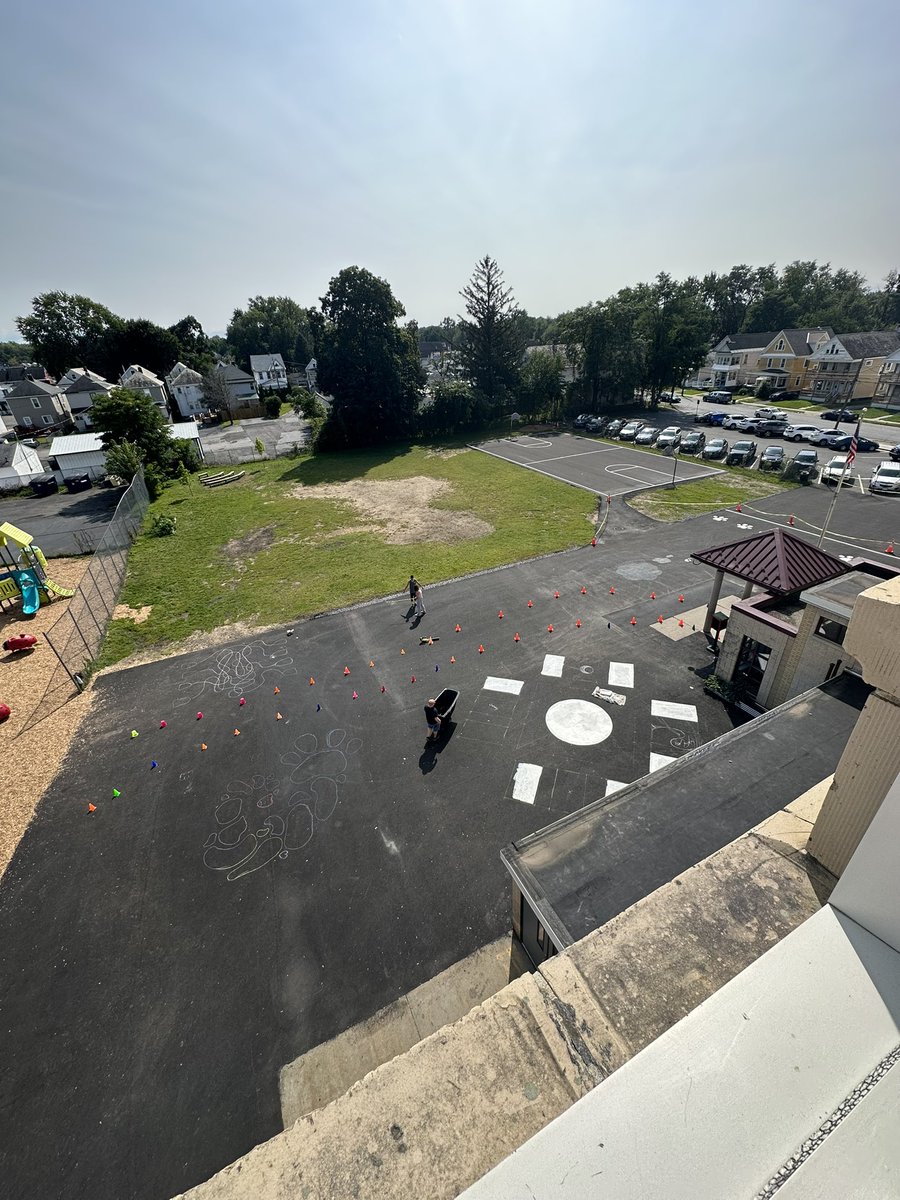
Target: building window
[541, 936]
[832, 631]
[27, 421]
[35, 402]
[753, 659]
[47, 419]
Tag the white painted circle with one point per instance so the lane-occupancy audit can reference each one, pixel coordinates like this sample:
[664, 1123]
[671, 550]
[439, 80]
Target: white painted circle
[578, 722]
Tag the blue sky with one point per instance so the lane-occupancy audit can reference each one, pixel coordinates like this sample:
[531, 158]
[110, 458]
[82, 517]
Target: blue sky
[174, 158]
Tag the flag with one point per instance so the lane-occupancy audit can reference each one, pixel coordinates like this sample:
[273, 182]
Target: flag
[854, 442]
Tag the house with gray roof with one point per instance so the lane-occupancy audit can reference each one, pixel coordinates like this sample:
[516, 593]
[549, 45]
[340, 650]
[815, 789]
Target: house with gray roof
[269, 372]
[35, 406]
[140, 379]
[733, 361]
[85, 387]
[241, 386]
[848, 366]
[186, 389]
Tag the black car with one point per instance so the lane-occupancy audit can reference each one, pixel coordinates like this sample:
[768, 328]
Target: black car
[614, 426]
[581, 420]
[894, 452]
[741, 454]
[693, 442]
[597, 424]
[839, 415]
[773, 458]
[842, 442]
[44, 485]
[775, 396]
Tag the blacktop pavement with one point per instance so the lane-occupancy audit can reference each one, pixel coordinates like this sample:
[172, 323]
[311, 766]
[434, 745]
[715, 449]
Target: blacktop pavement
[162, 957]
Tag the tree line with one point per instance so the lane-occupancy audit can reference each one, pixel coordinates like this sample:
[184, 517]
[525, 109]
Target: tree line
[493, 358]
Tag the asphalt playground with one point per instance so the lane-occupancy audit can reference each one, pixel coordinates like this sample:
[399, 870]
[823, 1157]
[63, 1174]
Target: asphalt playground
[611, 468]
[164, 955]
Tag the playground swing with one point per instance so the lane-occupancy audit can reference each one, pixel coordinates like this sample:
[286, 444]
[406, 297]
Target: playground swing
[26, 575]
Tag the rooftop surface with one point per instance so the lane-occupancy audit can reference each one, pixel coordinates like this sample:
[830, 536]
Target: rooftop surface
[778, 561]
[585, 868]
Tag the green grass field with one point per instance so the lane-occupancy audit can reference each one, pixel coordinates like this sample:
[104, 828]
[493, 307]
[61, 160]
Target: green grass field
[253, 550]
[706, 495]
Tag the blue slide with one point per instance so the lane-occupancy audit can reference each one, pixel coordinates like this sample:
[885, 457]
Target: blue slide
[31, 596]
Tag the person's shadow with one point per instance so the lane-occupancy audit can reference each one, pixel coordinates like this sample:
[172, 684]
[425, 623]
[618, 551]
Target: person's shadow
[416, 623]
[410, 610]
[428, 759]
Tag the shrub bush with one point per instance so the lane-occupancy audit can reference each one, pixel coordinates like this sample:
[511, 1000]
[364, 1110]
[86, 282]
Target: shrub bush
[162, 525]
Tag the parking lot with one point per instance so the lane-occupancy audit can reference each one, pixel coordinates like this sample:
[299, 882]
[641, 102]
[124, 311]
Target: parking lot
[609, 468]
[61, 523]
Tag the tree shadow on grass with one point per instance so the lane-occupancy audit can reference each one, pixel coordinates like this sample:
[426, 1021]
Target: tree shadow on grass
[342, 466]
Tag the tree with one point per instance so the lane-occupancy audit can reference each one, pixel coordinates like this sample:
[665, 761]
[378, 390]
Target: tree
[123, 415]
[124, 460]
[452, 409]
[15, 354]
[194, 349]
[66, 330]
[368, 363]
[216, 394]
[491, 340]
[137, 342]
[541, 392]
[271, 325]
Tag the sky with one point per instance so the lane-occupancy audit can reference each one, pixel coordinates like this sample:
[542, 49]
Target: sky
[180, 157]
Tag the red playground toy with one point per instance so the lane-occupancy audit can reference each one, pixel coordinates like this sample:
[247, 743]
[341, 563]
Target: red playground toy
[20, 641]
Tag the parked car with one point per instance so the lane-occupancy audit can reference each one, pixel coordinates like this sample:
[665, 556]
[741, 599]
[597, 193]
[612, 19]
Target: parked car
[837, 470]
[581, 420]
[646, 436]
[841, 441]
[744, 424]
[629, 430]
[718, 398]
[807, 458]
[783, 396]
[800, 433]
[886, 479]
[44, 485]
[773, 459]
[771, 414]
[771, 427]
[597, 424]
[669, 398]
[839, 415]
[78, 483]
[717, 448]
[894, 452]
[693, 442]
[613, 427]
[716, 419]
[741, 454]
[826, 437]
[669, 438]
[30, 442]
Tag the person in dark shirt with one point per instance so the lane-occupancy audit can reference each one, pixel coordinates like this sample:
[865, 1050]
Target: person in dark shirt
[434, 721]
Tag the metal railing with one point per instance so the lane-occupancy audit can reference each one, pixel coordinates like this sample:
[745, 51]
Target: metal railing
[76, 637]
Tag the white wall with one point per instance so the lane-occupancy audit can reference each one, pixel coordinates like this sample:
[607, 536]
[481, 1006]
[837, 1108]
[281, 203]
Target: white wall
[92, 462]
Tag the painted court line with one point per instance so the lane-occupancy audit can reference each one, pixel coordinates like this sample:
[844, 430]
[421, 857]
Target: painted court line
[613, 786]
[494, 683]
[553, 665]
[621, 675]
[560, 457]
[675, 712]
[659, 760]
[525, 782]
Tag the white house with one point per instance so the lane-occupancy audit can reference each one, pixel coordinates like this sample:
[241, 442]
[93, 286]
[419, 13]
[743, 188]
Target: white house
[139, 379]
[241, 386]
[269, 372]
[18, 465]
[83, 453]
[186, 389]
[81, 392]
[312, 374]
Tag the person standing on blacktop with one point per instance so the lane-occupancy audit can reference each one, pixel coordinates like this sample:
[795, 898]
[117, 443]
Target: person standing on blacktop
[434, 721]
[420, 602]
[413, 587]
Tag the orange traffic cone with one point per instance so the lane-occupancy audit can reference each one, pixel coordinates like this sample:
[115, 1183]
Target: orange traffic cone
[457, 630]
[612, 591]
[500, 614]
[481, 649]
[634, 620]
[660, 620]
[516, 638]
[530, 604]
[549, 628]
[578, 623]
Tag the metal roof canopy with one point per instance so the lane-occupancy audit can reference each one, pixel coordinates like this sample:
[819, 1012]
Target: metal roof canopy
[777, 561]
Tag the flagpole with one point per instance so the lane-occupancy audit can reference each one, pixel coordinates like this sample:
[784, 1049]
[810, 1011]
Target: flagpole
[851, 458]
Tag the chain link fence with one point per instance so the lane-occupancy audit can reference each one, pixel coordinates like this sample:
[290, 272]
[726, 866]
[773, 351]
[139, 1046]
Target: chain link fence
[77, 635]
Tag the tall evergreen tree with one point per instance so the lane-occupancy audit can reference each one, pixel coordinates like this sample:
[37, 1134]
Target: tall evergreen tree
[491, 337]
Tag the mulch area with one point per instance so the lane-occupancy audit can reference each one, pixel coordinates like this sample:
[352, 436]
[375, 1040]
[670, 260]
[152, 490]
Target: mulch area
[46, 711]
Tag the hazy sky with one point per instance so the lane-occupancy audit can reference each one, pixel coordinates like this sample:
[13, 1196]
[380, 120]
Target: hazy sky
[174, 158]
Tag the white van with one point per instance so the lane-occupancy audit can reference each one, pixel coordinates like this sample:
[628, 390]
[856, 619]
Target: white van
[719, 397]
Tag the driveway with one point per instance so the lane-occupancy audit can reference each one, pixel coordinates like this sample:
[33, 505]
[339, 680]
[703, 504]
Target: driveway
[235, 443]
[63, 524]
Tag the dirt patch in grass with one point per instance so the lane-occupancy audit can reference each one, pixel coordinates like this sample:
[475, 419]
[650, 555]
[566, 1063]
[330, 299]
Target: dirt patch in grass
[403, 508]
[452, 453]
[124, 612]
[239, 549]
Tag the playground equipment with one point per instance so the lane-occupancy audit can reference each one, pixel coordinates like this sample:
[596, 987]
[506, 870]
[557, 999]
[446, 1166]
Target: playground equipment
[21, 641]
[27, 577]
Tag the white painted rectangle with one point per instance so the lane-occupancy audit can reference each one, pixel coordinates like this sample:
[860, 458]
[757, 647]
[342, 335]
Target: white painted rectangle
[676, 712]
[525, 782]
[494, 683]
[553, 665]
[613, 786]
[659, 760]
[621, 675]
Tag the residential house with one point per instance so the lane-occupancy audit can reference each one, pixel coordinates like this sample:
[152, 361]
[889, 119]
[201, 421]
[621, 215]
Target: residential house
[784, 363]
[18, 465]
[269, 372]
[312, 374]
[887, 387]
[848, 366]
[241, 386]
[85, 387]
[733, 361]
[34, 405]
[23, 371]
[140, 379]
[84, 454]
[186, 389]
